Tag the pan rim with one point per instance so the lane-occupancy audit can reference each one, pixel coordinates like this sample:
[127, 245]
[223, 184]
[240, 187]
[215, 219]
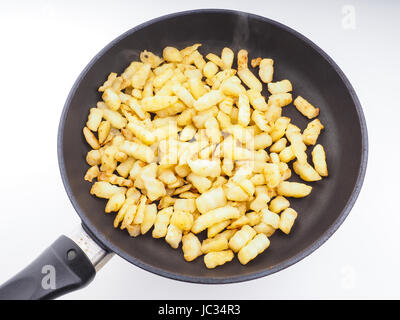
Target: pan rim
[107, 244]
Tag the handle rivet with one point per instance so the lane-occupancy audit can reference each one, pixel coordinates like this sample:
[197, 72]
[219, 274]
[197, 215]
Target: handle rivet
[71, 254]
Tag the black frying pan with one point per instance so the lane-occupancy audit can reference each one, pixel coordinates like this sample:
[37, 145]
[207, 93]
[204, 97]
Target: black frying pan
[314, 75]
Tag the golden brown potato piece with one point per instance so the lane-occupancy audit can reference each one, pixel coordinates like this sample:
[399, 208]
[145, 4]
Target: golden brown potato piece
[305, 108]
[319, 160]
[311, 133]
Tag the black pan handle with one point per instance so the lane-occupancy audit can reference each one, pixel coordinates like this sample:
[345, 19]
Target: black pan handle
[61, 268]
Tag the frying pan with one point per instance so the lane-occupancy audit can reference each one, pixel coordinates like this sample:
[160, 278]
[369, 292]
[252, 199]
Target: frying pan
[71, 262]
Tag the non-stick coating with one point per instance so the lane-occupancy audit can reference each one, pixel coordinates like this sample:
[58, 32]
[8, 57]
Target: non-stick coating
[313, 75]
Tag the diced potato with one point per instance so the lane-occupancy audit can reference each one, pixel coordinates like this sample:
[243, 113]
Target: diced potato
[280, 99]
[158, 103]
[217, 228]
[111, 98]
[257, 100]
[278, 146]
[210, 69]
[191, 247]
[227, 57]
[205, 168]
[202, 184]
[266, 229]
[272, 175]
[293, 189]
[305, 108]
[262, 141]
[139, 78]
[161, 223]
[115, 202]
[174, 236]
[106, 190]
[214, 259]
[253, 248]
[212, 217]
[182, 219]
[94, 119]
[137, 151]
[210, 245]
[187, 205]
[306, 171]
[319, 160]
[241, 238]
[270, 218]
[208, 100]
[115, 118]
[172, 54]
[92, 173]
[150, 215]
[210, 200]
[283, 86]
[288, 216]
[240, 222]
[90, 138]
[260, 202]
[266, 71]
[234, 192]
[278, 204]
[311, 133]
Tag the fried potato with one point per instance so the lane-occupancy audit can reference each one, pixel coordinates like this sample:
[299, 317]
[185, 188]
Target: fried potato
[253, 248]
[305, 108]
[227, 57]
[280, 99]
[214, 259]
[214, 216]
[245, 74]
[283, 86]
[288, 216]
[217, 228]
[293, 189]
[158, 103]
[174, 236]
[278, 204]
[182, 219]
[306, 171]
[311, 133]
[241, 238]
[270, 218]
[191, 247]
[266, 71]
[266, 229]
[106, 190]
[161, 223]
[115, 202]
[94, 119]
[150, 215]
[172, 54]
[319, 160]
[92, 173]
[208, 100]
[212, 245]
[91, 138]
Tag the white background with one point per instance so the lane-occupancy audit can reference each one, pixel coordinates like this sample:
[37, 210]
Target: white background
[45, 45]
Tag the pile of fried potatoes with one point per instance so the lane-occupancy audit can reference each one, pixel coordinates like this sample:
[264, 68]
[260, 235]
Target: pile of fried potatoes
[180, 145]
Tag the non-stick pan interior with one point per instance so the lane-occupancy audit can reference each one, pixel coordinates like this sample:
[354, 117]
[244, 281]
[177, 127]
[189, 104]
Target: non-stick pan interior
[313, 76]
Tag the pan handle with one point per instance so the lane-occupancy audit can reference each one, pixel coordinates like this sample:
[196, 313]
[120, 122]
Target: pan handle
[70, 263]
